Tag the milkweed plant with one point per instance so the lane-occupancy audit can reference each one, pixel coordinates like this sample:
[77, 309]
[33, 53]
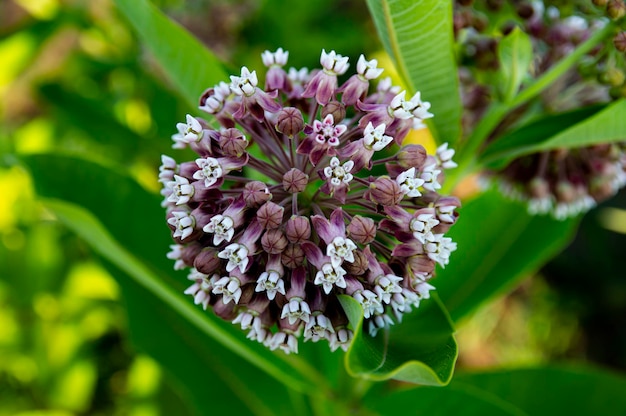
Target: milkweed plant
[370, 204]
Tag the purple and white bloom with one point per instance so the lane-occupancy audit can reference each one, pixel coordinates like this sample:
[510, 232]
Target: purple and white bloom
[410, 183]
[291, 203]
[444, 157]
[188, 132]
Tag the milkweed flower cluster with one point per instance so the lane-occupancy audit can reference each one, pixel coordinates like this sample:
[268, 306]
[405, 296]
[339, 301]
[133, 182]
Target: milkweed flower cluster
[299, 197]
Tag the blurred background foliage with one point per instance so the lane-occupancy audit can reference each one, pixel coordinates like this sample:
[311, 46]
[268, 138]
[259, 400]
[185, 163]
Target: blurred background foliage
[75, 79]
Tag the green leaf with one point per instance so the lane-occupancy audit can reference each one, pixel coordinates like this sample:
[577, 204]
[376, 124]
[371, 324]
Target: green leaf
[421, 349]
[499, 243]
[130, 232]
[521, 141]
[563, 390]
[515, 52]
[418, 36]
[188, 63]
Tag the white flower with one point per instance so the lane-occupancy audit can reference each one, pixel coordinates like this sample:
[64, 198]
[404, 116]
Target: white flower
[260, 334]
[375, 138]
[334, 63]
[296, 308]
[181, 190]
[369, 301]
[444, 155]
[337, 173]
[341, 338]
[175, 254]
[271, 282]
[167, 169]
[414, 108]
[409, 183]
[183, 223]
[423, 289]
[385, 85]
[330, 275]
[378, 322]
[222, 227]
[430, 174]
[248, 319]
[368, 69]
[201, 288]
[187, 132]
[386, 286]
[422, 226]
[298, 76]
[341, 249]
[278, 58]
[286, 342]
[237, 256]
[210, 171]
[244, 84]
[438, 248]
[318, 327]
[401, 302]
[214, 103]
[229, 287]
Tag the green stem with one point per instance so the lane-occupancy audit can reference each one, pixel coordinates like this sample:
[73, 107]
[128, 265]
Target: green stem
[468, 153]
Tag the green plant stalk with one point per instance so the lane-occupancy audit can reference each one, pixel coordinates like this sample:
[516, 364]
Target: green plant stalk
[467, 153]
[102, 242]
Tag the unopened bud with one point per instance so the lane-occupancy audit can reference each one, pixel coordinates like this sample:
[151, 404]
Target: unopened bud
[539, 188]
[620, 41]
[207, 261]
[600, 3]
[289, 121]
[385, 191]
[616, 9]
[270, 215]
[362, 229]
[359, 266]
[274, 242]
[295, 181]
[565, 192]
[256, 194]
[233, 142]
[337, 109]
[293, 256]
[298, 229]
[412, 156]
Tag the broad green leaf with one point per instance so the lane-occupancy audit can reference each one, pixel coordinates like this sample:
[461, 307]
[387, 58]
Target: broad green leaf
[137, 242]
[563, 390]
[515, 52]
[521, 141]
[188, 63]
[499, 244]
[421, 349]
[418, 36]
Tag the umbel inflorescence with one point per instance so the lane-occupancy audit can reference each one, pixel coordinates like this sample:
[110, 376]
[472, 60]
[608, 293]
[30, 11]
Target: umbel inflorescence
[298, 198]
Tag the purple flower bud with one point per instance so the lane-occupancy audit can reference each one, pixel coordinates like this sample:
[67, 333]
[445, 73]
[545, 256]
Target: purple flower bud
[385, 191]
[359, 266]
[362, 229]
[289, 121]
[295, 181]
[616, 9]
[620, 41]
[412, 156]
[270, 215]
[298, 229]
[274, 241]
[207, 261]
[256, 194]
[293, 256]
[233, 142]
[337, 109]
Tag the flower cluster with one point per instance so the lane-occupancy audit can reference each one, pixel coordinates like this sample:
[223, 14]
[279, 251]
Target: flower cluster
[564, 182]
[300, 196]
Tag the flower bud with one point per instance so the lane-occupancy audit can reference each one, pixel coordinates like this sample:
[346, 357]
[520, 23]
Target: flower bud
[274, 241]
[289, 121]
[412, 156]
[295, 181]
[565, 192]
[600, 3]
[620, 41]
[616, 9]
[298, 229]
[337, 109]
[421, 265]
[359, 266]
[207, 261]
[362, 229]
[270, 215]
[539, 188]
[256, 194]
[233, 142]
[225, 311]
[385, 191]
[190, 251]
[293, 256]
